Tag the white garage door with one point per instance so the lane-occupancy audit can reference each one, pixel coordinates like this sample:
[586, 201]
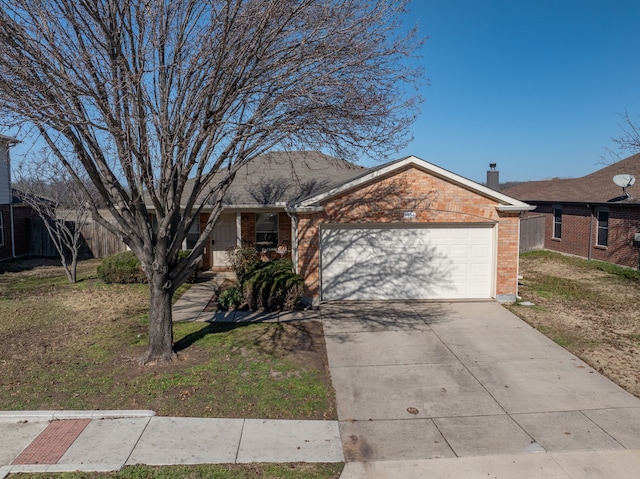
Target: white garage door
[395, 262]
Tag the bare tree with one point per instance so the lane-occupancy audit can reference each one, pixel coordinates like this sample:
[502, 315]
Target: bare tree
[627, 141]
[63, 208]
[150, 95]
[629, 138]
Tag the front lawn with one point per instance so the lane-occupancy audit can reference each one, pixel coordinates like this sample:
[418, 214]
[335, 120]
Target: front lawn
[588, 307]
[76, 347]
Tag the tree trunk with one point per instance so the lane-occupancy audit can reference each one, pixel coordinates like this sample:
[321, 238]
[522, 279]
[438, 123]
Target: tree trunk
[70, 270]
[160, 321]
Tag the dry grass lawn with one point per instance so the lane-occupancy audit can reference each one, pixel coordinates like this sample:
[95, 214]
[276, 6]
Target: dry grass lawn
[77, 347]
[590, 308]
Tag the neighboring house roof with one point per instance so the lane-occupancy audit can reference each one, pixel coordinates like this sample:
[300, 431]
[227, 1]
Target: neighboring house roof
[506, 203]
[597, 187]
[277, 178]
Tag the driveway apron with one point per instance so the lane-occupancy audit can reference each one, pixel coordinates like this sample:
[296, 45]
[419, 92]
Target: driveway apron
[420, 380]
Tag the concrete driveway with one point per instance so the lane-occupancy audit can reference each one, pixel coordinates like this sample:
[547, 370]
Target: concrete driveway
[469, 387]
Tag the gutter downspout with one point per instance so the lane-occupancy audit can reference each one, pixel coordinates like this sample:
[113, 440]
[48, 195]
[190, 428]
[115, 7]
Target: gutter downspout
[589, 254]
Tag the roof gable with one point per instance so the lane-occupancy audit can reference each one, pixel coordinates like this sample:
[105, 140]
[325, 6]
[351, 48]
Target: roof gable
[506, 203]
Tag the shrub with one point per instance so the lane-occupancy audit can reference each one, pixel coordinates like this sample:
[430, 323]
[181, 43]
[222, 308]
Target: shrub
[121, 268]
[244, 261]
[273, 286]
[231, 298]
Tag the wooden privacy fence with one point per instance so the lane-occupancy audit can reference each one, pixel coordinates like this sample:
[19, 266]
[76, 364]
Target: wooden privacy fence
[40, 243]
[98, 241]
[531, 233]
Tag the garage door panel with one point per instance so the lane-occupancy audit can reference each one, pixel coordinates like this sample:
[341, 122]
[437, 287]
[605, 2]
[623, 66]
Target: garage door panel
[406, 263]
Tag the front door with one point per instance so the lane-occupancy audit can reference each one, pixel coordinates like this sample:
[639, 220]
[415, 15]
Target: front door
[223, 238]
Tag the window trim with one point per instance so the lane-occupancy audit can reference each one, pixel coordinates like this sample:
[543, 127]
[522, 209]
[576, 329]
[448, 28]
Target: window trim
[557, 222]
[600, 228]
[275, 232]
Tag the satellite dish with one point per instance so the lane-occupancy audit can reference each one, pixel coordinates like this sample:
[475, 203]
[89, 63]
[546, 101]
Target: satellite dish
[624, 181]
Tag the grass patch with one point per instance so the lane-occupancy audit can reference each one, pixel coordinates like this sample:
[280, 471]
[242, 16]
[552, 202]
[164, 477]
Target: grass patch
[76, 347]
[558, 288]
[568, 339]
[213, 471]
[587, 307]
[582, 264]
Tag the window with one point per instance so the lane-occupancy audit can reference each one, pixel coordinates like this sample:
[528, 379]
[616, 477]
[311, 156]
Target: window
[603, 227]
[266, 231]
[557, 222]
[1, 230]
[192, 235]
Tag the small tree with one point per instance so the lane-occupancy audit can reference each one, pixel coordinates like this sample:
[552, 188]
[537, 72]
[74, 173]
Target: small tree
[61, 206]
[162, 101]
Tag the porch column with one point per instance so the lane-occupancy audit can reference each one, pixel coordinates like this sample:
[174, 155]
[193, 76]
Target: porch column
[238, 229]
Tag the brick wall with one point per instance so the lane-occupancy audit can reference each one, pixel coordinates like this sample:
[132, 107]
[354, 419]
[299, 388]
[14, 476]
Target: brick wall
[248, 228]
[578, 222]
[433, 200]
[284, 230]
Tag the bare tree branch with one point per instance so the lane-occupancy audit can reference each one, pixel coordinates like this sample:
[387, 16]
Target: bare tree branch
[147, 95]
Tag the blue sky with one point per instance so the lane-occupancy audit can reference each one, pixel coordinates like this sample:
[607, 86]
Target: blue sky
[534, 86]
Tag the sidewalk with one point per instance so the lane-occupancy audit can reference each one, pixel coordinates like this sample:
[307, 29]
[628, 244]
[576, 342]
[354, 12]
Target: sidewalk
[102, 441]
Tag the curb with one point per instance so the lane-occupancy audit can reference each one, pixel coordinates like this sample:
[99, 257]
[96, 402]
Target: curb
[53, 415]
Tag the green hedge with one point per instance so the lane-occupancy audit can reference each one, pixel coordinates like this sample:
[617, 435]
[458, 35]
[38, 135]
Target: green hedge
[273, 286]
[125, 268]
[269, 285]
[121, 268]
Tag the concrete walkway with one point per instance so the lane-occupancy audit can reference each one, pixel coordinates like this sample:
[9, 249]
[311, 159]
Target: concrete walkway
[468, 390]
[66, 441]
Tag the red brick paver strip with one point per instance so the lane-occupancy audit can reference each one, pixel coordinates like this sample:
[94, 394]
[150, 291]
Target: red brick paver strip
[53, 442]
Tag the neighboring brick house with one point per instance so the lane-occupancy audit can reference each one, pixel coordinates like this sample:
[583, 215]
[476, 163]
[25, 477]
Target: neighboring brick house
[589, 216]
[14, 214]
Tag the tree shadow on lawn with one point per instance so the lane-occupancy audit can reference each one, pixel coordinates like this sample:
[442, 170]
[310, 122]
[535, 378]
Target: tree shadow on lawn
[274, 338]
[27, 264]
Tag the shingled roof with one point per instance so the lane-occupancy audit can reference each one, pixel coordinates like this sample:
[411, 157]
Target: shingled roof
[597, 187]
[282, 177]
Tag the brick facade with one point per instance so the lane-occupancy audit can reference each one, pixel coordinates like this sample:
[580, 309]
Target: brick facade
[248, 229]
[579, 232]
[434, 200]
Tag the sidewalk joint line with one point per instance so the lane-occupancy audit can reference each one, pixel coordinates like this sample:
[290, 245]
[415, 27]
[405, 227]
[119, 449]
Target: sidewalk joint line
[240, 441]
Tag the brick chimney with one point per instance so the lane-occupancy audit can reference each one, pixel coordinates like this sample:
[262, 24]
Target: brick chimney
[493, 177]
